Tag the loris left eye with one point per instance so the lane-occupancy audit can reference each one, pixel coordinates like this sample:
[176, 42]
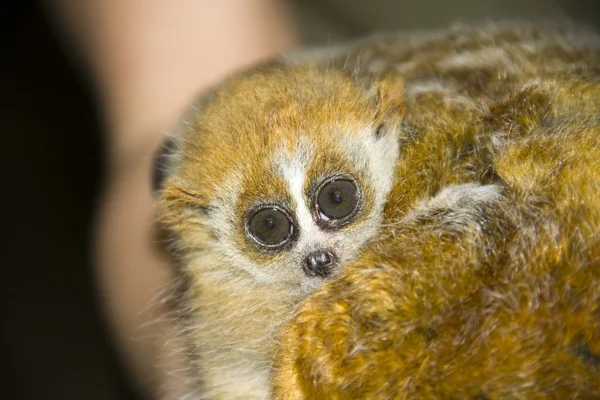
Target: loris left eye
[270, 227]
[337, 202]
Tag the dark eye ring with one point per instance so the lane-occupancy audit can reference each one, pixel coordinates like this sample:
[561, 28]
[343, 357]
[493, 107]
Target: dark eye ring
[270, 227]
[337, 201]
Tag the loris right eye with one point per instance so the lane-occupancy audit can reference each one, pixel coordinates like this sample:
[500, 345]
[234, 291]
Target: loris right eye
[337, 199]
[337, 202]
[271, 227]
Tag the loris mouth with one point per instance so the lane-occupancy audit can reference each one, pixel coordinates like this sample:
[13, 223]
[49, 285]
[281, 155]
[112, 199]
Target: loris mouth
[320, 263]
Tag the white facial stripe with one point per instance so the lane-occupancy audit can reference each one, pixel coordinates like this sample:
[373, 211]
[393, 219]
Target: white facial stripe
[293, 170]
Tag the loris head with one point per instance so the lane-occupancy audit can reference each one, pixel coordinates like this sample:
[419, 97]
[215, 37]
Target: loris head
[281, 174]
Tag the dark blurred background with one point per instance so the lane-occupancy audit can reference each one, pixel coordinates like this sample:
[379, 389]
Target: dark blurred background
[53, 341]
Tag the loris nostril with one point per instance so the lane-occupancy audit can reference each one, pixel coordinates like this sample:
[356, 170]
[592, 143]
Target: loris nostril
[319, 263]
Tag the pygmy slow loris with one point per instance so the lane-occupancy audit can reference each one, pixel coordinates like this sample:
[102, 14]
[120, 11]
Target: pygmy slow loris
[450, 254]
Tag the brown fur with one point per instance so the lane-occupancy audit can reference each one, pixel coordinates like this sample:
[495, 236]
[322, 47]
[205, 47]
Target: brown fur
[503, 301]
[483, 281]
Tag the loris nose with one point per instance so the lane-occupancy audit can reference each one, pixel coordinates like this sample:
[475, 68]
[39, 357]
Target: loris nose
[319, 263]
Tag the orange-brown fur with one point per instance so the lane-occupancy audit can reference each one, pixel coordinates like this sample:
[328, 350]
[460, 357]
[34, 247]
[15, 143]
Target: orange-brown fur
[504, 303]
[484, 279]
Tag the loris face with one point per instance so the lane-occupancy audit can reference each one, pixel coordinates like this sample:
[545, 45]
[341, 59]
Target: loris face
[282, 174]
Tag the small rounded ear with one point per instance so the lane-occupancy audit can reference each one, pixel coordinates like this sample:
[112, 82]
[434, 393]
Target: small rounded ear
[163, 163]
[387, 93]
[390, 97]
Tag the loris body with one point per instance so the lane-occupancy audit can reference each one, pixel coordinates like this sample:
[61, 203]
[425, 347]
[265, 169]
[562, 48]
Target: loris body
[453, 255]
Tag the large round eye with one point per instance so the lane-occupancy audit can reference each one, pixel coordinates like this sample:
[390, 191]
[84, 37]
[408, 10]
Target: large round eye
[271, 227]
[338, 199]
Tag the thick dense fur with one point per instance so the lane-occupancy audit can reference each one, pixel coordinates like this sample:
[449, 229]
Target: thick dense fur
[473, 269]
[485, 283]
